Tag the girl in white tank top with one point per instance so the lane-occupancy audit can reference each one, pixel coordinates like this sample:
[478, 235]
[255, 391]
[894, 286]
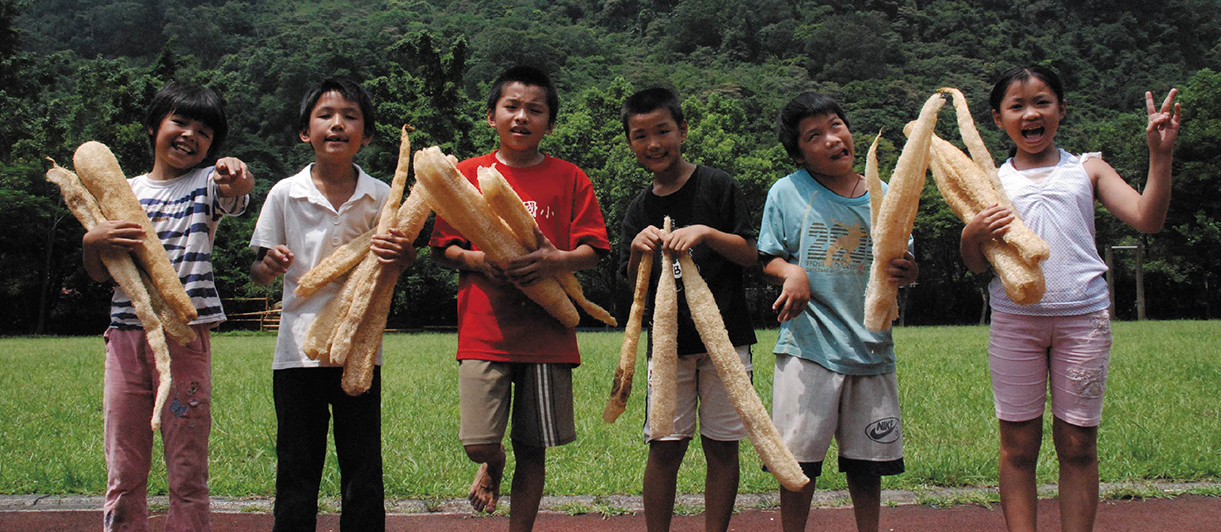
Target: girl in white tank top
[1065, 337]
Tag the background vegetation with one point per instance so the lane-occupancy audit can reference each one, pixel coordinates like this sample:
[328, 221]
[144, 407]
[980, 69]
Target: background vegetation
[74, 70]
[1161, 421]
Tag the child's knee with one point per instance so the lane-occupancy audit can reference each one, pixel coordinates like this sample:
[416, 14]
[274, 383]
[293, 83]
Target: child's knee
[484, 453]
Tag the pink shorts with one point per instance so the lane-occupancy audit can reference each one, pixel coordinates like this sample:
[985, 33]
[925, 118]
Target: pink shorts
[1075, 351]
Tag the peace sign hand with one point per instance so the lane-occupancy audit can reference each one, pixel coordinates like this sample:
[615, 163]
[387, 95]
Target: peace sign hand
[1163, 126]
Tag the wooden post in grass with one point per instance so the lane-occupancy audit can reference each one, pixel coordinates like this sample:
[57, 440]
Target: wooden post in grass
[1140, 279]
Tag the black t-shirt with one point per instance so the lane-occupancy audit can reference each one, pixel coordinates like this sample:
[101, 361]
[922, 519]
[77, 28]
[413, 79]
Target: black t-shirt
[709, 197]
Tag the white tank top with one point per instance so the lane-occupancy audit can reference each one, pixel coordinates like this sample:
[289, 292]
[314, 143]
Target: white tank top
[1060, 209]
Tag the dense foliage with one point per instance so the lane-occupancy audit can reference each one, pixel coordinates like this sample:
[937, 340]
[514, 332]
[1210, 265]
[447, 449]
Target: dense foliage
[72, 70]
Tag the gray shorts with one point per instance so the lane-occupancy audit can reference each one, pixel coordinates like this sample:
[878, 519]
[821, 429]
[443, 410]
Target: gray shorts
[540, 396]
[701, 391]
[811, 404]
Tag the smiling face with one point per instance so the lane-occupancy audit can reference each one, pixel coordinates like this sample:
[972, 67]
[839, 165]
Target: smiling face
[656, 140]
[180, 144]
[825, 145]
[336, 128]
[521, 117]
[1030, 113]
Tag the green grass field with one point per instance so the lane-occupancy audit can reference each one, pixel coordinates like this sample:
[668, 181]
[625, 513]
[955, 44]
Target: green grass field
[1161, 420]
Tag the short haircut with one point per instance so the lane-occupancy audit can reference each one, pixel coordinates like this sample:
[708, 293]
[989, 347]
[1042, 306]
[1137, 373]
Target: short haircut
[1023, 73]
[526, 75]
[191, 101]
[350, 90]
[649, 100]
[805, 105]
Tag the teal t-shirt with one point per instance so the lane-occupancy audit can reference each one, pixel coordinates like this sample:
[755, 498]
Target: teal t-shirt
[826, 234]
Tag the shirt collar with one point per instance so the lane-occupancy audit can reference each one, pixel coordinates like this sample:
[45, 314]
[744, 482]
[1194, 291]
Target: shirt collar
[303, 186]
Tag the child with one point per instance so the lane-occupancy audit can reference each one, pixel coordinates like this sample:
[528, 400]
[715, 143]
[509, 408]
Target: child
[503, 337]
[712, 223]
[186, 125]
[1065, 337]
[833, 377]
[304, 219]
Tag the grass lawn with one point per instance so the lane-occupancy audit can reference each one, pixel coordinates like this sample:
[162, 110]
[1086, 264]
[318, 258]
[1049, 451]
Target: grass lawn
[1162, 419]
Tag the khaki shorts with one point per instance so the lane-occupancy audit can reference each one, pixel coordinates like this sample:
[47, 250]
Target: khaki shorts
[810, 404]
[540, 396]
[701, 391]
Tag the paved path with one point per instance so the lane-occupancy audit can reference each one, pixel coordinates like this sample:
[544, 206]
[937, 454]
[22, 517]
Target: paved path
[1185, 513]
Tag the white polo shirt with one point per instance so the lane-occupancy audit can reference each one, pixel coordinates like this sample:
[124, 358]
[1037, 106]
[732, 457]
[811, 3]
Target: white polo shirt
[297, 215]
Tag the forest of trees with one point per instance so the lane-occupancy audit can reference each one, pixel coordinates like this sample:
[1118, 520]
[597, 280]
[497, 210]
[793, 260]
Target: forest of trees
[75, 70]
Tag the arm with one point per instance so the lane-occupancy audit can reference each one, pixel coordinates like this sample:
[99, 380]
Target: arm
[232, 177]
[990, 223]
[795, 286]
[1146, 212]
[646, 242]
[459, 258]
[111, 235]
[547, 260]
[269, 264]
[738, 250]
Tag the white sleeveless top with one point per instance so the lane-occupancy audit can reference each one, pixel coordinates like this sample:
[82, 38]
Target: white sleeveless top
[1057, 203]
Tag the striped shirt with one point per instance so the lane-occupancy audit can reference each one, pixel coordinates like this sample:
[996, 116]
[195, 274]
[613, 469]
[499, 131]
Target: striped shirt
[185, 212]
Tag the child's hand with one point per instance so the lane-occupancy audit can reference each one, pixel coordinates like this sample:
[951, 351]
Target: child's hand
[794, 294]
[114, 235]
[1163, 128]
[393, 248]
[277, 260]
[478, 261]
[682, 240]
[990, 223]
[537, 265]
[648, 240]
[233, 177]
[903, 271]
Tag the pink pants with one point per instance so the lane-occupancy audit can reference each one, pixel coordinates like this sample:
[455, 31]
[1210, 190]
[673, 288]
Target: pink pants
[1072, 352]
[130, 389]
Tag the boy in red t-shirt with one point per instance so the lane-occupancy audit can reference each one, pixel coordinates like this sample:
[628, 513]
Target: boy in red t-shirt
[510, 351]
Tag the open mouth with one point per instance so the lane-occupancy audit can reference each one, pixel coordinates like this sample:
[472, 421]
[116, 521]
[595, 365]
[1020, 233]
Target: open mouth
[183, 147]
[841, 154]
[1033, 134]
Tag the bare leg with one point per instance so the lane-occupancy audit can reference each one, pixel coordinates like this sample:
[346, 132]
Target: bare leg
[1020, 443]
[485, 490]
[1077, 451]
[866, 493]
[795, 507]
[660, 482]
[528, 480]
[720, 483]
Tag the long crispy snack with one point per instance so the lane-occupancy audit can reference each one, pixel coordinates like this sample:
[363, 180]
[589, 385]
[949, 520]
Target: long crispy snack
[506, 203]
[873, 181]
[100, 173]
[338, 263]
[1017, 257]
[362, 357]
[621, 387]
[975, 145]
[663, 377]
[177, 330]
[124, 271]
[454, 198]
[897, 216]
[763, 434]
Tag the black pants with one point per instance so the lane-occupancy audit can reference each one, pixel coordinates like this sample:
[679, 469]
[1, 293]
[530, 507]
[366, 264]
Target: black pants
[302, 397]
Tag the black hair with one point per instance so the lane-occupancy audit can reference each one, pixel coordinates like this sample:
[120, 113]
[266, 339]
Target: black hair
[350, 90]
[192, 101]
[805, 105]
[526, 75]
[649, 100]
[1023, 73]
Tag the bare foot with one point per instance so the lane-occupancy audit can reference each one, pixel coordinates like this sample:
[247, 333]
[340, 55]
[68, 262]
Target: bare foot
[485, 490]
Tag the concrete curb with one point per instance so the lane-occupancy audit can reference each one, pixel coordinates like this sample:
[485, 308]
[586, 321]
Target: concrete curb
[612, 504]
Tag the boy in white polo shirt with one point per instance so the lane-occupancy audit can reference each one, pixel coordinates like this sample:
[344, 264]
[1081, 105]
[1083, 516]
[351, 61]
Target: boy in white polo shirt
[304, 219]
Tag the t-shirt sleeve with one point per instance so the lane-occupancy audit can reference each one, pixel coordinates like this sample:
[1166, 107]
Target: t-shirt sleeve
[631, 226]
[222, 206]
[269, 229]
[772, 240]
[739, 219]
[588, 226]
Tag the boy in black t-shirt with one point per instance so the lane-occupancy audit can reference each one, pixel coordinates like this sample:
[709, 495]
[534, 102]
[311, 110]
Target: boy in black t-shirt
[711, 222]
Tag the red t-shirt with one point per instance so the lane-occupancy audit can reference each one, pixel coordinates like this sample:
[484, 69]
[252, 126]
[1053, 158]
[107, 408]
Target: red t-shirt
[496, 321]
